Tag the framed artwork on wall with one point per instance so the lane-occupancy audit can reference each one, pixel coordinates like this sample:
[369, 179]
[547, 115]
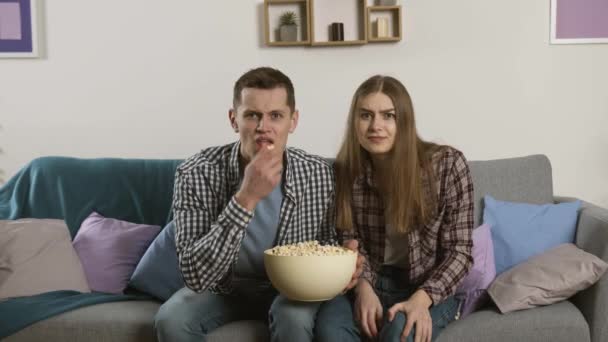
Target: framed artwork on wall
[579, 21]
[18, 29]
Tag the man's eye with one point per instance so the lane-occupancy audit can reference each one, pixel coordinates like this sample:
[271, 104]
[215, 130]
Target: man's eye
[276, 115]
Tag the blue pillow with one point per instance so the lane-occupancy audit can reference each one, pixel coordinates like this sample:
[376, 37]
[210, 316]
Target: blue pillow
[158, 273]
[522, 230]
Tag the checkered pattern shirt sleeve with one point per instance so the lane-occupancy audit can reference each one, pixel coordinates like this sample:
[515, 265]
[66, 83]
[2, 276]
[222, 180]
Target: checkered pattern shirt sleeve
[206, 244]
[455, 236]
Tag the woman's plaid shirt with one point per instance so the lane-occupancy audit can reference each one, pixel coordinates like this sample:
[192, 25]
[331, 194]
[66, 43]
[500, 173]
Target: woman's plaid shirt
[210, 224]
[439, 253]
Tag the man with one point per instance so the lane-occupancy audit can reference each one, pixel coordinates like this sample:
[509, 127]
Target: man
[233, 202]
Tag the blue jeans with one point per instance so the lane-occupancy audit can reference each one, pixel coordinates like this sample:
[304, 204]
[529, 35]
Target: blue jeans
[191, 316]
[392, 288]
[335, 319]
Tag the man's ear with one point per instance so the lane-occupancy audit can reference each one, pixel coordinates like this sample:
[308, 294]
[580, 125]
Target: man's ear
[294, 121]
[232, 118]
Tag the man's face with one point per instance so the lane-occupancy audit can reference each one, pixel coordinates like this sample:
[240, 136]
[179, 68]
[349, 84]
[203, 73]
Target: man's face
[263, 118]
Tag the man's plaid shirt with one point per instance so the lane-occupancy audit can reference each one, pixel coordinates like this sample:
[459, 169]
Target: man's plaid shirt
[439, 255]
[210, 224]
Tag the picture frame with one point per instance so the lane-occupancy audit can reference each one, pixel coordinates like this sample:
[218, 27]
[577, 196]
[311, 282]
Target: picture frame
[579, 21]
[19, 29]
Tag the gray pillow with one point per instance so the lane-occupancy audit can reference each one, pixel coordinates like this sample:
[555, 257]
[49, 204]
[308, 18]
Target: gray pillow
[547, 278]
[37, 256]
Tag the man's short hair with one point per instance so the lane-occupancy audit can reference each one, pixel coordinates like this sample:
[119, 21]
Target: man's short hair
[264, 78]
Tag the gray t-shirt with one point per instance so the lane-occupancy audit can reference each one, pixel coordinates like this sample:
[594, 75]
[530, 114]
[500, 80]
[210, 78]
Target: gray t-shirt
[396, 248]
[260, 235]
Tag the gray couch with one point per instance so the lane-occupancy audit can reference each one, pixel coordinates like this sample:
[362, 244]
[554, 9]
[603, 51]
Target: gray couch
[527, 179]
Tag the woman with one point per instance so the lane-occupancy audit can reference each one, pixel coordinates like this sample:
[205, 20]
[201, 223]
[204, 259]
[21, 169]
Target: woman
[409, 204]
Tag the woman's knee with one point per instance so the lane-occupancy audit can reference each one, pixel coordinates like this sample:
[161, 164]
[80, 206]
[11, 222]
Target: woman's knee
[392, 331]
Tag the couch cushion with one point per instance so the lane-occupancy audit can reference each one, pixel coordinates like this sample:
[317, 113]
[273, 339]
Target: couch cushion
[524, 179]
[548, 278]
[37, 256]
[109, 250]
[132, 321]
[558, 322]
[473, 287]
[158, 272]
[111, 322]
[123, 322]
[522, 230]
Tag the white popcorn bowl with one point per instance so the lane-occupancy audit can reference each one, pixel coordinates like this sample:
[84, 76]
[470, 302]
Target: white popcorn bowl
[310, 278]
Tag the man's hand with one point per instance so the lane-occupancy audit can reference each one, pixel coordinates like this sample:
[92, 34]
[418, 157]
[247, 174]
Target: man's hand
[262, 175]
[354, 246]
[416, 309]
[368, 309]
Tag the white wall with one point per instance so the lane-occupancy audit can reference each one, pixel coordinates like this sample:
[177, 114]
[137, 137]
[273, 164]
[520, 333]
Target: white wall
[153, 79]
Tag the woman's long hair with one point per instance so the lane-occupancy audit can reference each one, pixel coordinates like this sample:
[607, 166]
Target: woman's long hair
[411, 198]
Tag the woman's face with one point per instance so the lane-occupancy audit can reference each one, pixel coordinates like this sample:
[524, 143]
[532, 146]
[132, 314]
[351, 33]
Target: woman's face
[376, 124]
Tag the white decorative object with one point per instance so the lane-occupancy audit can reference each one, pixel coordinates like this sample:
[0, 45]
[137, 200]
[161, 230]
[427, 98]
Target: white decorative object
[382, 27]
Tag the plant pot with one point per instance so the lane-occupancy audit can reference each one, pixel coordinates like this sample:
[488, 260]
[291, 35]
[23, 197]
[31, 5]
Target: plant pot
[289, 33]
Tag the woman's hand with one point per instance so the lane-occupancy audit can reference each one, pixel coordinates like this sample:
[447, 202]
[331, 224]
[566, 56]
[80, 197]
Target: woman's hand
[368, 310]
[354, 246]
[416, 310]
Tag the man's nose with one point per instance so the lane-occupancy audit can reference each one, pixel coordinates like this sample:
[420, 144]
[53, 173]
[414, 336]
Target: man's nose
[263, 123]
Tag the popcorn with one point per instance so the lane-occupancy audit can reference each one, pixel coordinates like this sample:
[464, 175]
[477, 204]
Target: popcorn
[308, 248]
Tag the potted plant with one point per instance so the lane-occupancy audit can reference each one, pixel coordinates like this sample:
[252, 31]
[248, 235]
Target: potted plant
[288, 27]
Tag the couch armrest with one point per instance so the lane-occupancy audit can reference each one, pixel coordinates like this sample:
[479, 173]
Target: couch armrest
[592, 236]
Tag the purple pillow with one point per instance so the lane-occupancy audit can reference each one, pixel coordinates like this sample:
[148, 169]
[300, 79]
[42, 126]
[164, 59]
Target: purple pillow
[109, 250]
[474, 286]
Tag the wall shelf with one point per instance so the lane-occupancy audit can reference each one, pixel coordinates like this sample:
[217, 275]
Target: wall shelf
[392, 15]
[272, 11]
[316, 16]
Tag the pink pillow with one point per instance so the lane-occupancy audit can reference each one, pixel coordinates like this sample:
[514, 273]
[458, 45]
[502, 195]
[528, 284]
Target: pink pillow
[109, 250]
[474, 286]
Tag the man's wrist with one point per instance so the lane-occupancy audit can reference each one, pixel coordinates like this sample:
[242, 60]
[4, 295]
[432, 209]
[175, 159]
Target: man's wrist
[247, 202]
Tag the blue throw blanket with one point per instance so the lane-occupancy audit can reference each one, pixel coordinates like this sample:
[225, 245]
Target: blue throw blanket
[134, 190]
[18, 313]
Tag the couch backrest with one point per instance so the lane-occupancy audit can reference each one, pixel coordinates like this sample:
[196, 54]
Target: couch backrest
[523, 179]
[140, 190]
